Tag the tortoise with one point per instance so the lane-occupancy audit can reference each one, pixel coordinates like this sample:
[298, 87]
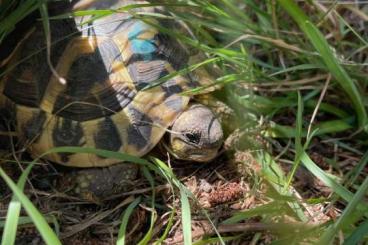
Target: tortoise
[91, 91]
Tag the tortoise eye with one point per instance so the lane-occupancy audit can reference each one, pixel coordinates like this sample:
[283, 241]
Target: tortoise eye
[193, 137]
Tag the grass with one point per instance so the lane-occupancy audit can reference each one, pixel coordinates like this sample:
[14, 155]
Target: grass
[295, 75]
[39, 221]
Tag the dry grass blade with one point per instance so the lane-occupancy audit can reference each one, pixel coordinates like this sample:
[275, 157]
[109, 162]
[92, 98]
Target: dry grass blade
[93, 220]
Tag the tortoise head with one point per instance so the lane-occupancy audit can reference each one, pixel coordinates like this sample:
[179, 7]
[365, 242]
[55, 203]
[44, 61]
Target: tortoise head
[196, 134]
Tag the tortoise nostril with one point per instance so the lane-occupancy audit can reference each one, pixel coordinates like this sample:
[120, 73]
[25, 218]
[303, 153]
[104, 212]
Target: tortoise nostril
[193, 137]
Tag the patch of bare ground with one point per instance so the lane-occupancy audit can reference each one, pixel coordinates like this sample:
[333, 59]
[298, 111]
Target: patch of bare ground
[222, 189]
[217, 186]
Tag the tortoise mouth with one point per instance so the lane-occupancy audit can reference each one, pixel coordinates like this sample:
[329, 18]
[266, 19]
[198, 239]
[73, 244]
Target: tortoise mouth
[184, 151]
[204, 155]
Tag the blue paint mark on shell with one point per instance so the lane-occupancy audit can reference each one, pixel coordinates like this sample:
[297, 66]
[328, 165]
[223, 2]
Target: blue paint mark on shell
[144, 47]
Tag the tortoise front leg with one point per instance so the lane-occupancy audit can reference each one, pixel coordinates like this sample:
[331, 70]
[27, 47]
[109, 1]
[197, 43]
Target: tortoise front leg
[98, 183]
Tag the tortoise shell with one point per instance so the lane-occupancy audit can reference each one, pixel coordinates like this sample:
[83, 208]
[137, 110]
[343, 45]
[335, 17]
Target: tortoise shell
[106, 63]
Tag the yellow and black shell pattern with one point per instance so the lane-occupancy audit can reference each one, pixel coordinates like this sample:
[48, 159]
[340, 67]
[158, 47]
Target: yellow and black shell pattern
[106, 64]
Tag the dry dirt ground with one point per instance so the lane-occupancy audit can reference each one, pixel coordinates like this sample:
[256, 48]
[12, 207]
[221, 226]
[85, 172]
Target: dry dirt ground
[223, 187]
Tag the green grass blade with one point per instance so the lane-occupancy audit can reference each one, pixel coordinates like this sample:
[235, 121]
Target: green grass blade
[124, 222]
[184, 71]
[297, 68]
[23, 10]
[334, 126]
[99, 152]
[11, 223]
[331, 62]
[168, 172]
[168, 227]
[327, 108]
[358, 169]
[358, 234]
[186, 217]
[185, 206]
[298, 140]
[41, 224]
[271, 208]
[147, 237]
[330, 182]
[275, 176]
[25, 220]
[12, 216]
[343, 221]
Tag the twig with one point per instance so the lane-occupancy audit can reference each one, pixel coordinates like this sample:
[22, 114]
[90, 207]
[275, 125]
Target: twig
[318, 104]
